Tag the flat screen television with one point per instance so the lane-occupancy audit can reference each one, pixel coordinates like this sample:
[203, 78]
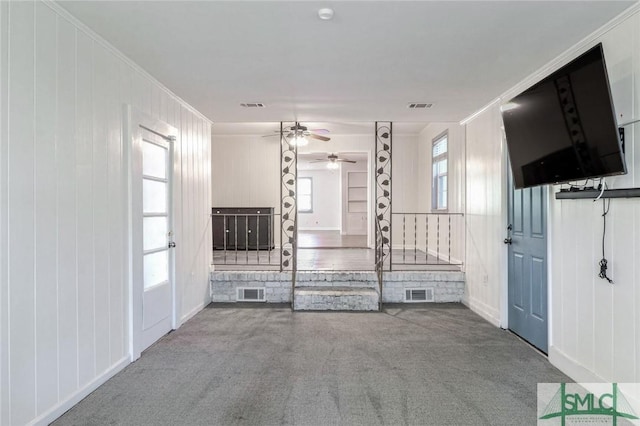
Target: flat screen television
[564, 128]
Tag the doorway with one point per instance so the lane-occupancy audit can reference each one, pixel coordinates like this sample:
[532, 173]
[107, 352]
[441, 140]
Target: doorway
[527, 263]
[152, 245]
[333, 200]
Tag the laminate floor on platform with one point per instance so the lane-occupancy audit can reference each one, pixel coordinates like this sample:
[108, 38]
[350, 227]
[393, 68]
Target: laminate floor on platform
[330, 239]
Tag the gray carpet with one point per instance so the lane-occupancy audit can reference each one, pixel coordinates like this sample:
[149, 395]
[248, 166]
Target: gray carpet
[433, 365]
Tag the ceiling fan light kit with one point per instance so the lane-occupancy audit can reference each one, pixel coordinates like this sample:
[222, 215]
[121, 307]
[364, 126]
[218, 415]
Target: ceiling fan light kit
[325, 13]
[300, 140]
[333, 165]
[300, 135]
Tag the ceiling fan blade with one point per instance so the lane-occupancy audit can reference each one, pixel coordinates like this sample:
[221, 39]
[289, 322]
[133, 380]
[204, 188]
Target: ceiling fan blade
[318, 161]
[346, 161]
[321, 131]
[268, 136]
[321, 138]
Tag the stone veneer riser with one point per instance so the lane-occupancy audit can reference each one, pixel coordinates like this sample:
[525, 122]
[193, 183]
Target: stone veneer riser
[447, 286]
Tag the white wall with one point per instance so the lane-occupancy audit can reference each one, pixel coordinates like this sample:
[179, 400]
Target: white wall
[595, 326]
[246, 171]
[63, 198]
[484, 216]
[326, 201]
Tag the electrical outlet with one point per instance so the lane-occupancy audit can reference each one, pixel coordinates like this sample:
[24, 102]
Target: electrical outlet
[485, 279]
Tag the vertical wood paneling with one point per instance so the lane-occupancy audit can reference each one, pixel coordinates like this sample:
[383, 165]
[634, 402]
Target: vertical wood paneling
[67, 209]
[115, 209]
[177, 202]
[85, 229]
[21, 214]
[103, 88]
[5, 406]
[46, 208]
[63, 198]
[623, 305]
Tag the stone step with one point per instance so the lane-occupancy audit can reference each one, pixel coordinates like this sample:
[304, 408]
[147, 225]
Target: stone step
[336, 279]
[333, 298]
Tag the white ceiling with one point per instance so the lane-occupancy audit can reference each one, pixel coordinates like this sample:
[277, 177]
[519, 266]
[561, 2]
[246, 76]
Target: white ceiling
[364, 65]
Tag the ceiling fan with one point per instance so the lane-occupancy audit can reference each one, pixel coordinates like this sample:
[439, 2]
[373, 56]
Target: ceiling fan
[300, 134]
[332, 160]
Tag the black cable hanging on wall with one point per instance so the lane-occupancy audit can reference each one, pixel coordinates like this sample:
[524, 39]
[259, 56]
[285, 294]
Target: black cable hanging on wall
[606, 204]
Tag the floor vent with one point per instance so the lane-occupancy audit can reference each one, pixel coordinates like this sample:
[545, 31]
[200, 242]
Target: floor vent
[419, 105]
[253, 105]
[250, 294]
[418, 295]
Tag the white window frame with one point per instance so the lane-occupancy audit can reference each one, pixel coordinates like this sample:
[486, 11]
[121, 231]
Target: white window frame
[435, 187]
[310, 194]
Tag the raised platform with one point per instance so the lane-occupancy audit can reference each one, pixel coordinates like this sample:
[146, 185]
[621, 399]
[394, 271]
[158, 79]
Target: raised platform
[276, 287]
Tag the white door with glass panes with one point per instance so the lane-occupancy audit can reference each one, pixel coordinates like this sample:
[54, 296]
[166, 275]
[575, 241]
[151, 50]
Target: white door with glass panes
[152, 235]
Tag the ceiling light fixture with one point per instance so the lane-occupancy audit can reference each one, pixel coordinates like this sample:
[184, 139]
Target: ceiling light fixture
[299, 140]
[325, 13]
[333, 165]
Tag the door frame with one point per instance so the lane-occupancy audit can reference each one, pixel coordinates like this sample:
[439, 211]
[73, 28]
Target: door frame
[132, 119]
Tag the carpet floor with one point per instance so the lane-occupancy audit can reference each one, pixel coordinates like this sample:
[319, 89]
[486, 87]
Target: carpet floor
[411, 365]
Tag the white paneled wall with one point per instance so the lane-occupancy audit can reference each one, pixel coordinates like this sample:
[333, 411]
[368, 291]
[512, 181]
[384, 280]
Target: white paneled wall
[63, 198]
[595, 326]
[485, 175]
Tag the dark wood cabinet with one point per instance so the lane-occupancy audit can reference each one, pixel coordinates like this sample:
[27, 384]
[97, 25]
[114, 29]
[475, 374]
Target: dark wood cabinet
[242, 228]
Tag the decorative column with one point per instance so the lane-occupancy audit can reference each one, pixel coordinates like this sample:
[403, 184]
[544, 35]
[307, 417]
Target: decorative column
[289, 206]
[383, 190]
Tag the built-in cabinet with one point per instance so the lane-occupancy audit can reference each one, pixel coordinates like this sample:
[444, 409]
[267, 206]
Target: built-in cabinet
[241, 228]
[357, 200]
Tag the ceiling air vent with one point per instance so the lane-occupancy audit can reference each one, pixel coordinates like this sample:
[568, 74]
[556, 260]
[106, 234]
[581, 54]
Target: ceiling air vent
[418, 295]
[419, 105]
[250, 294]
[253, 105]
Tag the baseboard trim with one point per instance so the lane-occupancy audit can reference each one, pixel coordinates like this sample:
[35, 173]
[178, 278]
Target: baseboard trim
[490, 314]
[192, 313]
[318, 228]
[572, 368]
[53, 413]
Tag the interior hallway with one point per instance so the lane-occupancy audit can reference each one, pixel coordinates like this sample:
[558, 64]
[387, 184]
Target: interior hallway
[436, 364]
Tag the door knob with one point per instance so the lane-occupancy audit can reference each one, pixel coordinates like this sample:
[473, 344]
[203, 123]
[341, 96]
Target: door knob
[508, 240]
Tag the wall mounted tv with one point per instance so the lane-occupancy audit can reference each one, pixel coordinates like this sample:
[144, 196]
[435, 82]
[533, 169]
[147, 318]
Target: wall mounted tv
[564, 127]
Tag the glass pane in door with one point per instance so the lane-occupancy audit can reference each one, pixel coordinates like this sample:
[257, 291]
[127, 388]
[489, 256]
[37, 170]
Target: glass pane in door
[154, 160]
[154, 233]
[154, 196]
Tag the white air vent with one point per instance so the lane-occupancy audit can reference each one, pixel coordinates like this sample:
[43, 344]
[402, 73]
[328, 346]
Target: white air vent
[418, 295]
[253, 105]
[419, 105]
[250, 294]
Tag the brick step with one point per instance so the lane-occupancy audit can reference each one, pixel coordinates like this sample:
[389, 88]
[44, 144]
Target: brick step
[336, 279]
[335, 298]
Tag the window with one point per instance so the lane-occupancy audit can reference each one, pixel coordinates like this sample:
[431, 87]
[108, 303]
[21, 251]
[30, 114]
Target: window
[305, 195]
[439, 166]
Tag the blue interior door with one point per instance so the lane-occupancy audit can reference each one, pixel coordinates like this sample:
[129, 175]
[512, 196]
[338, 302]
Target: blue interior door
[527, 241]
